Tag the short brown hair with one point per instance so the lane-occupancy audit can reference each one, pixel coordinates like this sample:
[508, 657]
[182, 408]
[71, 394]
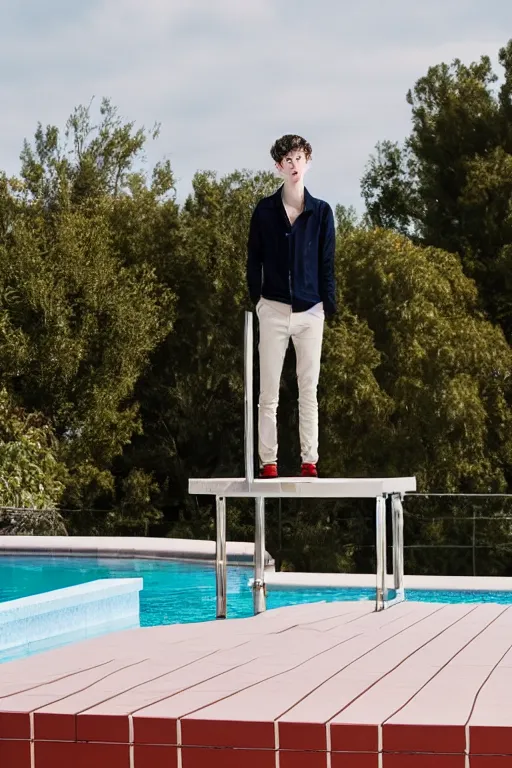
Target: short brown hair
[289, 143]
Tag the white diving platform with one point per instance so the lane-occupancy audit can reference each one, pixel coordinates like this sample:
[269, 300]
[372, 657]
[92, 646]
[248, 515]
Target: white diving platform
[379, 488]
[304, 487]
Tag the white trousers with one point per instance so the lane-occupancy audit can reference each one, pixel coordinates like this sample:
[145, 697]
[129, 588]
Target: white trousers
[278, 324]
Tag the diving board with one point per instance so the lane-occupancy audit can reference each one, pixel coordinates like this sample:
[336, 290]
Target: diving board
[379, 488]
[304, 487]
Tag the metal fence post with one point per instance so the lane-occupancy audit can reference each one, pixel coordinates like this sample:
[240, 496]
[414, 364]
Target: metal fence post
[474, 544]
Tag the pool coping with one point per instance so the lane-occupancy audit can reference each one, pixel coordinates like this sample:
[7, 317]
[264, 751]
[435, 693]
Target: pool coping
[289, 580]
[47, 619]
[184, 550]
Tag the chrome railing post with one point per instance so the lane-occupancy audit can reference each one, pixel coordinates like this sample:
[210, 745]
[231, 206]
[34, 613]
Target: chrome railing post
[397, 512]
[220, 559]
[381, 593]
[259, 599]
[248, 398]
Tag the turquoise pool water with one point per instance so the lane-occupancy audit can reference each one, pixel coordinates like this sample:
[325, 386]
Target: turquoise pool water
[183, 592]
[178, 592]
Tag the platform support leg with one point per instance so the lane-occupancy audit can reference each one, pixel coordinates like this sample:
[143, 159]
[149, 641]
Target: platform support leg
[220, 558]
[381, 595]
[397, 512]
[259, 598]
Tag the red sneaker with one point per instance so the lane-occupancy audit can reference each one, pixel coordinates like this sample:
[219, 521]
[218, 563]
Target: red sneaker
[268, 471]
[308, 470]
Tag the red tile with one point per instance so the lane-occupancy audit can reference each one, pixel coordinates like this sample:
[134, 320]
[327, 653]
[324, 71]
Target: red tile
[107, 755]
[14, 725]
[489, 761]
[50, 754]
[55, 754]
[103, 728]
[155, 757]
[440, 739]
[227, 758]
[290, 759]
[354, 760]
[346, 737]
[15, 754]
[222, 733]
[423, 761]
[154, 730]
[489, 740]
[302, 736]
[53, 727]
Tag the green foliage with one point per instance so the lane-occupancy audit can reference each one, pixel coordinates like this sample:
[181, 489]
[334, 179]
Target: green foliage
[137, 510]
[390, 189]
[449, 185]
[443, 369]
[30, 474]
[78, 320]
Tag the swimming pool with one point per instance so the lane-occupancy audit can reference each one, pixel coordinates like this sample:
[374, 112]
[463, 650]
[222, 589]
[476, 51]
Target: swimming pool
[177, 592]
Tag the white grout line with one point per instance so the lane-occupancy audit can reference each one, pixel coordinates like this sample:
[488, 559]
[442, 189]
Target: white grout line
[328, 744]
[276, 743]
[379, 746]
[32, 741]
[130, 741]
[178, 739]
[468, 746]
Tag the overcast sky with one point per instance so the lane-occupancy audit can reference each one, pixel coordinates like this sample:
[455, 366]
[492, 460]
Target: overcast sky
[226, 77]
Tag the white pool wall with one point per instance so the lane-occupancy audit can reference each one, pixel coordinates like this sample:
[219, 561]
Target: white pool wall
[80, 611]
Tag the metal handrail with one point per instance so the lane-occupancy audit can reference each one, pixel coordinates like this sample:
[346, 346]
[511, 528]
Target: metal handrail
[426, 494]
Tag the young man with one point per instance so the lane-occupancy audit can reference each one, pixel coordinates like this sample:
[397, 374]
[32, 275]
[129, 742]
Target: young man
[290, 275]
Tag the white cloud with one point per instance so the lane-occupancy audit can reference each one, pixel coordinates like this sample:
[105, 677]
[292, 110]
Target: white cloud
[225, 78]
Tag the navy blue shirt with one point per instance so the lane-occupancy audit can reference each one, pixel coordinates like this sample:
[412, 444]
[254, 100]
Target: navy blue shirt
[292, 264]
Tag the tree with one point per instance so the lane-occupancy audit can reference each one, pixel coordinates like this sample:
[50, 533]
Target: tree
[78, 319]
[445, 368]
[449, 185]
[390, 189]
[31, 475]
[89, 162]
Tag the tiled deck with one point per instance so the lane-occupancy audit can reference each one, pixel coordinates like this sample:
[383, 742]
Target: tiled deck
[314, 686]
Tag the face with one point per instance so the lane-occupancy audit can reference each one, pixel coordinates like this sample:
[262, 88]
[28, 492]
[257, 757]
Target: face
[293, 166]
